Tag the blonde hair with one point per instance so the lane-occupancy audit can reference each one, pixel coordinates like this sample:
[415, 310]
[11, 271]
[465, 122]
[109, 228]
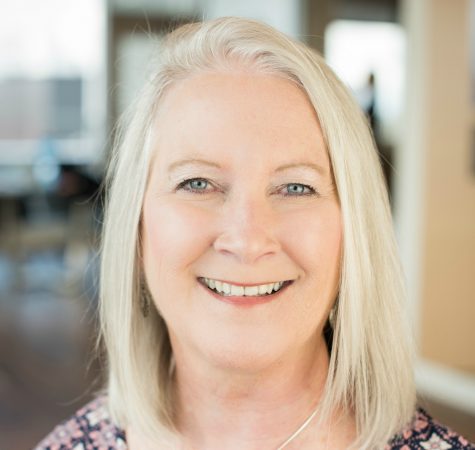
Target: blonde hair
[370, 369]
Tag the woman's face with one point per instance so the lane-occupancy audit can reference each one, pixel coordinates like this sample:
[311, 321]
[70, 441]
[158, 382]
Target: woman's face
[241, 192]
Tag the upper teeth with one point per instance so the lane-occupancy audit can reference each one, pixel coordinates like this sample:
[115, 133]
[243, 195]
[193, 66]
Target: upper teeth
[231, 289]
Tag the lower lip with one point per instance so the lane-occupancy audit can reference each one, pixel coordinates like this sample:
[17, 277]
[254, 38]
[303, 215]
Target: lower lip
[244, 301]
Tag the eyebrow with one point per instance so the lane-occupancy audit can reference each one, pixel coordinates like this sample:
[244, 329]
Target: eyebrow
[197, 161]
[316, 167]
[191, 161]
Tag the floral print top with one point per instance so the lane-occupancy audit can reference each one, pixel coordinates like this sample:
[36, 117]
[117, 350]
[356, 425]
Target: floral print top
[91, 429]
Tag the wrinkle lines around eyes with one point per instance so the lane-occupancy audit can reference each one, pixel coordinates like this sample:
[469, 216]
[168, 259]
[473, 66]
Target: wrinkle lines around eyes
[329, 191]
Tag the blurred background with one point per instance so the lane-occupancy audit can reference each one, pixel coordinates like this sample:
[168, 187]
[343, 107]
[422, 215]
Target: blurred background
[69, 68]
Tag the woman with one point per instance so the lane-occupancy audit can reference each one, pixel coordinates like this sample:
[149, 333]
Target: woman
[251, 294]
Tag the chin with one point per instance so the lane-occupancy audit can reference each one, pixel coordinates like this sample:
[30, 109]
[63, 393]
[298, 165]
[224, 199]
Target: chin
[244, 362]
[244, 355]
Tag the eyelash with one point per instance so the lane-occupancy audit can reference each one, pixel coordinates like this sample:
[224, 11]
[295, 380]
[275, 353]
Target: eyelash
[182, 186]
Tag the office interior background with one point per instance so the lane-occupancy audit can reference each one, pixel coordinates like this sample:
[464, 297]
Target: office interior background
[68, 69]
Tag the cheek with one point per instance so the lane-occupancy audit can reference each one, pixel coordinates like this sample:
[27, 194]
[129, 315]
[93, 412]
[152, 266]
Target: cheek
[174, 235]
[315, 240]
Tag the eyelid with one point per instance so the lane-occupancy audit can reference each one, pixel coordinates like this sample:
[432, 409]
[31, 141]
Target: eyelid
[312, 190]
[181, 186]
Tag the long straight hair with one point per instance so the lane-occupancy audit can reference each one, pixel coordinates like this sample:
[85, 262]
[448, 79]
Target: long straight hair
[371, 359]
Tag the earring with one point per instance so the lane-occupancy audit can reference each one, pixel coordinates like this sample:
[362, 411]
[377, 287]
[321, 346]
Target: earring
[332, 317]
[145, 298]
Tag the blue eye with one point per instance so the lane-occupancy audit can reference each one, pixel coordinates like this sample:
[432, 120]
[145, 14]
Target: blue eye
[296, 189]
[197, 185]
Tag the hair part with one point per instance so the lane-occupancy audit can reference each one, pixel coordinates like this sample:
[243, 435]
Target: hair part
[371, 360]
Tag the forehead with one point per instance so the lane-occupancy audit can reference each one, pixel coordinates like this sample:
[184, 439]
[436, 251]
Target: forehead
[228, 114]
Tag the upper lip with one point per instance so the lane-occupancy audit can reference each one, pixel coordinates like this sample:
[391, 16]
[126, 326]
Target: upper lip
[235, 283]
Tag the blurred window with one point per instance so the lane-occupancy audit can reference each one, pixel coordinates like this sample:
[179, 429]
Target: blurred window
[52, 80]
[370, 58]
[137, 52]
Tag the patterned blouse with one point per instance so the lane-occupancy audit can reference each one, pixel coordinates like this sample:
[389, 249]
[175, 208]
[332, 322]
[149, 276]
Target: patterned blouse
[91, 429]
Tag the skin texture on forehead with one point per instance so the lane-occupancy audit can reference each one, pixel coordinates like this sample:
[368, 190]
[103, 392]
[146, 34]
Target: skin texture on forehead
[288, 111]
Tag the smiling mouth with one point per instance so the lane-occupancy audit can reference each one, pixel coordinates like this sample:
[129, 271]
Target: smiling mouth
[232, 290]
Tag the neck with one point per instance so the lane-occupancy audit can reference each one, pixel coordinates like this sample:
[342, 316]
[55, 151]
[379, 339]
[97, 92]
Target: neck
[221, 408]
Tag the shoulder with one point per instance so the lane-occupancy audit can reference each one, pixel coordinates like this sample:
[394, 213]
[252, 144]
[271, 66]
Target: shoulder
[426, 433]
[90, 427]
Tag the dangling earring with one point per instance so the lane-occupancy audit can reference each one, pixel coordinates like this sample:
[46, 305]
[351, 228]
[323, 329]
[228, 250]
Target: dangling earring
[333, 312]
[332, 317]
[145, 298]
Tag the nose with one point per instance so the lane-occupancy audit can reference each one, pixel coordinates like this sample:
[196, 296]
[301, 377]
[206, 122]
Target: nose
[247, 231]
